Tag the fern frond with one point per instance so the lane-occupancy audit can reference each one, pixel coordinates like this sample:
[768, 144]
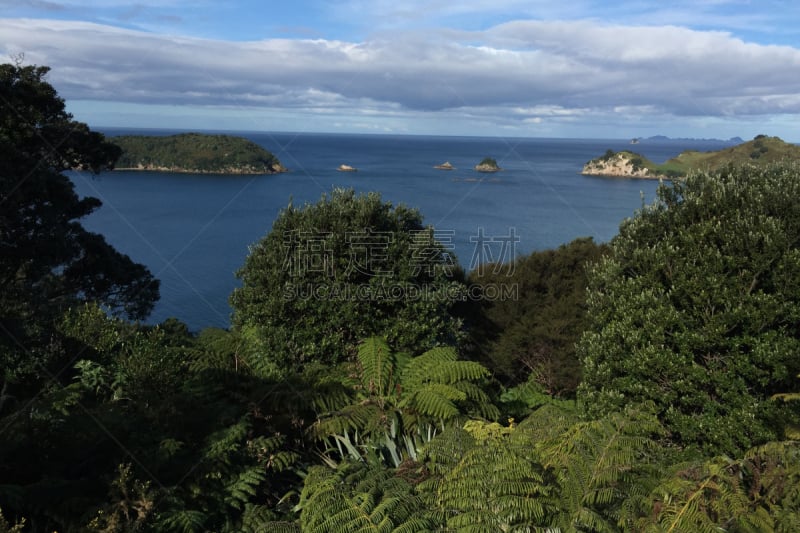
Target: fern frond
[358, 498]
[355, 417]
[244, 486]
[221, 444]
[597, 464]
[440, 365]
[725, 494]
[378, 366]
[491, 485]
[436, 400]
[184, 521]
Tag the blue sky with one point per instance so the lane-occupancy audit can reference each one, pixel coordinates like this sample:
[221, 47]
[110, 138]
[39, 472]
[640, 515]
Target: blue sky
[701, 68]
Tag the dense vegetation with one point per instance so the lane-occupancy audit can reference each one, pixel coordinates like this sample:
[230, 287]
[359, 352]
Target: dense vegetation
[347, 267]
[761, 151]
[532, 336]
[329, 415]
[196, 153]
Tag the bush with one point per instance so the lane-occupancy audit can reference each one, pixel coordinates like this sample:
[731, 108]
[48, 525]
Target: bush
[696, 309]
[343, 269]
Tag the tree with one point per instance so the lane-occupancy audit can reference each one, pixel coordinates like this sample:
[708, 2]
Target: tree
[697, 309]
[343, 269]
[534, 335]
[48, 261]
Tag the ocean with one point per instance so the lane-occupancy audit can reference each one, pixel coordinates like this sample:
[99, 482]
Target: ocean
[193, 231]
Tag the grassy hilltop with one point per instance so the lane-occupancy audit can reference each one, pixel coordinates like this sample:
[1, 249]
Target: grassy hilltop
[761, 150]
[195, 153]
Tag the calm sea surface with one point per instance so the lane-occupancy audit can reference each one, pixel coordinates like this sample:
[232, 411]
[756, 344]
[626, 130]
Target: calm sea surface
[193, 231]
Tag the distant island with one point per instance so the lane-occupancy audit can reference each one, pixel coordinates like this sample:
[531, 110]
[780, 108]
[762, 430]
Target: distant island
[488, 164]
[664, 138]
[761, 150]
[445, 166]
[195, 153]
[346, 168]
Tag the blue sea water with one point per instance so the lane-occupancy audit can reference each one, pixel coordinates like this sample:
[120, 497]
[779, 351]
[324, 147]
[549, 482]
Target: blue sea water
[193, 231]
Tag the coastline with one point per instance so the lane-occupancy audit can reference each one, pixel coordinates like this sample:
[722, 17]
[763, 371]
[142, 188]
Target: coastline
[223, 172]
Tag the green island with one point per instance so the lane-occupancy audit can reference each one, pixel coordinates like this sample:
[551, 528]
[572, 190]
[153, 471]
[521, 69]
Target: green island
[195, 153]
[487, 164]
[760, 151]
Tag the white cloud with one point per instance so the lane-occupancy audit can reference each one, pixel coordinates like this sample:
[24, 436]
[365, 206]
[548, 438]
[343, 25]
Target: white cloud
[524, 72]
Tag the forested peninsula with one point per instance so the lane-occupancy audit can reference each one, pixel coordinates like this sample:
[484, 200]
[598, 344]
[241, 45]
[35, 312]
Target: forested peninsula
[195, 153]
[760, 151]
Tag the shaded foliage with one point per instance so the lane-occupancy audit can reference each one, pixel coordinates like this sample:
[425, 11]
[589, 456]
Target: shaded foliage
[534, 335]
[48, 261]
[213, 454]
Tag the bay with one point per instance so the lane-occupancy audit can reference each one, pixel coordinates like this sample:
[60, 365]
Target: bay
[193, 231]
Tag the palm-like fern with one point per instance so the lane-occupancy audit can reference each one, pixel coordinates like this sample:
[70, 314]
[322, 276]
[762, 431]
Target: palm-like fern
[397, 402]
[759, 493]
[596, 464]
[482, 479]
[359, 498]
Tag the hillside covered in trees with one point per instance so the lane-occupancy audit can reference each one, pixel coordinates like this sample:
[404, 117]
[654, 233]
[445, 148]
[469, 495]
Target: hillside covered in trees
[646, 385]
[762, 150]
[195, 153]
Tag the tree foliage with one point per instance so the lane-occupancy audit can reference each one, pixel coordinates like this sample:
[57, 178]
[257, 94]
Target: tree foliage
[188, 152]
[48, 261]
[697, 309]
[534, 335]
[343, 269]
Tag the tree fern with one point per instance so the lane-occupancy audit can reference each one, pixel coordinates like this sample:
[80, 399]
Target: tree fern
[596, 464]
[183, 521]
[397, 401]
[483, 480]
[355, 498]
[758, 493]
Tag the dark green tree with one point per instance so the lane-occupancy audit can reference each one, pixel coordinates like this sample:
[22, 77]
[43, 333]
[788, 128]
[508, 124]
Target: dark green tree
[346, 268]
[698, 309]
[533, 335]
[48, 261]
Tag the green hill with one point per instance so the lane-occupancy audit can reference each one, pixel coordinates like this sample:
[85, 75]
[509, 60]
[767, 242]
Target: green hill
[760, 151]
[195, 153]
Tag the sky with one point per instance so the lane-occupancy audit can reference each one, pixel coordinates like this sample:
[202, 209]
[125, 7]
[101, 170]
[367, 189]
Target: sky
[534, 68]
